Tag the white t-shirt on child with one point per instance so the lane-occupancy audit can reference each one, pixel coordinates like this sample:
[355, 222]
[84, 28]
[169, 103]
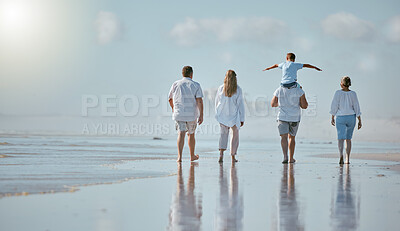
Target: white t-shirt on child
[289, 71]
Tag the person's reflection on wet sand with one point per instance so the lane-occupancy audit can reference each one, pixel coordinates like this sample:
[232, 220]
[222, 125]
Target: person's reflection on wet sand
[288, 208]
[186, 209]
[230, 204]
[345, 214]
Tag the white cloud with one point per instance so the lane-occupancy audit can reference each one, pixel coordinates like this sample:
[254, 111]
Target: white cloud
[368, 63]
[347, 26]
[226, 58]
[187, 33]
[303, 43]
[108, 27]
[393, 29]
[194, 31]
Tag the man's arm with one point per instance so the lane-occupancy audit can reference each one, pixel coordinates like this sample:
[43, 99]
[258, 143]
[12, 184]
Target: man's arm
[274, 102]
[199, 102]
[271, 67]
[303, 102]
[311, 66]
[171, 103]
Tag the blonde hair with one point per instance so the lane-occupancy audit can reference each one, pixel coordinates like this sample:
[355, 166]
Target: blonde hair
[346, 81]
[230, 83]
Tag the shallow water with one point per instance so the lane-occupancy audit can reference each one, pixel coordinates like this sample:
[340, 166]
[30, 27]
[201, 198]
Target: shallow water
[37, 164]
[256, 193]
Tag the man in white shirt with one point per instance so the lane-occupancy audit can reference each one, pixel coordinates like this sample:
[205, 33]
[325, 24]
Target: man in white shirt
[186, 101]
[290, 101]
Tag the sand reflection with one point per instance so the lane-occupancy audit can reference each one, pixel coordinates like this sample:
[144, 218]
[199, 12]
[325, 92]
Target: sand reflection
[345, 210]
[288, 207]
[186, 208]
[230, 203]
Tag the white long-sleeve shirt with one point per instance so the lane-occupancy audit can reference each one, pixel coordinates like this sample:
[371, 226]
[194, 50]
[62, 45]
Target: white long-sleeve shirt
[229, 111]
[345, 103]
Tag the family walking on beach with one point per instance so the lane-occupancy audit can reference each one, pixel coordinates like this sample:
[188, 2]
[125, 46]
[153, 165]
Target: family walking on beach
[185, 99]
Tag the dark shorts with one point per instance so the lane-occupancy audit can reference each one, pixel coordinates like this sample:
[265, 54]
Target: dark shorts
[289, 85]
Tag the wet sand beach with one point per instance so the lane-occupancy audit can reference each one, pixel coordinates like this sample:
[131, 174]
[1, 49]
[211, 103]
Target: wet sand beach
[392, 158]
[150, 191]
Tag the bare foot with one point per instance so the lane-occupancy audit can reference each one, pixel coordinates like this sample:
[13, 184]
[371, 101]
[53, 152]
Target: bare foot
[234, 160]
[221, 159]
[341, 160]
[195, 157]
[285, 161]
[347, 161]
[179, 160]
[292, 161]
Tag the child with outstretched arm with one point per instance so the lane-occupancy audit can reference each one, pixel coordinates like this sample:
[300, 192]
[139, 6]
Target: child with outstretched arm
[289, 70]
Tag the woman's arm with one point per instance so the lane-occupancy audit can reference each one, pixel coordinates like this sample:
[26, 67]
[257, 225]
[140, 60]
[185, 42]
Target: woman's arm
[356, 108]
[334, 104]
[334, 108]
[241, 108]
[356, 105]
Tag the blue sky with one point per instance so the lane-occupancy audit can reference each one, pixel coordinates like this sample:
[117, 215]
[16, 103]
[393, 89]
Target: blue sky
[63, 49]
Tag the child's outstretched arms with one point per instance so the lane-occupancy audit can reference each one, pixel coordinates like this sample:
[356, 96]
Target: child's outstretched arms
[271, 67]
[311, 66]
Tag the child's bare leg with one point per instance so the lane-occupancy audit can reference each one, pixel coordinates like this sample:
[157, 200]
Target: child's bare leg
[292, 144]
[284, 144]
[192, 143]
[180, 143]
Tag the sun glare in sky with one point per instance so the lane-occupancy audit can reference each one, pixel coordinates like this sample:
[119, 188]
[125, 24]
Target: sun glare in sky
[27, 37]
[16, 16]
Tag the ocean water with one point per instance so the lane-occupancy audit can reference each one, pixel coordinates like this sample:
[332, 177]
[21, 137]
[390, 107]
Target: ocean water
[42, 164]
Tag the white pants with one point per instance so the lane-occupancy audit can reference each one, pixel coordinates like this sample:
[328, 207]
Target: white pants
[223, 139]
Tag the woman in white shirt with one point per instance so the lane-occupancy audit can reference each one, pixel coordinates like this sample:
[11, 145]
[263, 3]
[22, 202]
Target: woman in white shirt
[229, 112]
[346, 108]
